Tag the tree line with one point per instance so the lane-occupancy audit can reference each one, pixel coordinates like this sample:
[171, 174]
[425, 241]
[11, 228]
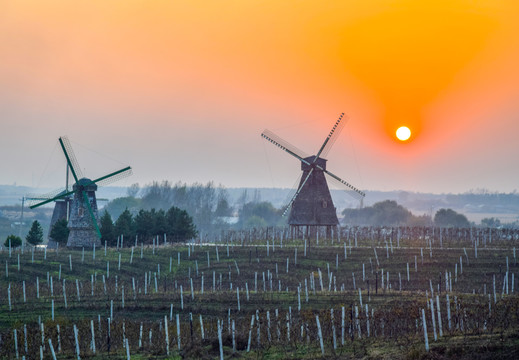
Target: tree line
[205, 203]
[390, 213]
[181, 211]
[209, 206]
[176, 224]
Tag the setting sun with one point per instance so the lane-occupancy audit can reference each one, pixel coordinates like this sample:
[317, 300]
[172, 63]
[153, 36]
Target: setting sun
[403, 133]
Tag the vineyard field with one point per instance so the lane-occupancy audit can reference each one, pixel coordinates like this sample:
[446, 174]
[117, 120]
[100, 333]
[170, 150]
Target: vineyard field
[364, 293]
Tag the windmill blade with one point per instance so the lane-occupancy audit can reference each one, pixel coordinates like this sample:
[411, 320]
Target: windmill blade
[332, 136]
[71, 158]
[115, 176]
[34, 198]
[39, 200]
[292, 191]
[298, 191]
[335, 136]
[92, 216]
[285, 145]
[348, 185]
[352, 193]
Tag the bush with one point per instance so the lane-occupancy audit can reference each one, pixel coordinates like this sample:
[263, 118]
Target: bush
[59, 232]
[16, 241]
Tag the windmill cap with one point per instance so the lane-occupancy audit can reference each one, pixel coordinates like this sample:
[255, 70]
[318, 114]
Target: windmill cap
[320, 162]
[86, 184]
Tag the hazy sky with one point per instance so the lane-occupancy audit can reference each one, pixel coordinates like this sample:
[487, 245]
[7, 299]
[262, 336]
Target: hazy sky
[181, 90]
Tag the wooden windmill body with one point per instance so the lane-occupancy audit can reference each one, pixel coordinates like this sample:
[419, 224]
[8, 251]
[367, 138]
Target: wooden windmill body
[314, 205]
[79, 205]
[311, 207]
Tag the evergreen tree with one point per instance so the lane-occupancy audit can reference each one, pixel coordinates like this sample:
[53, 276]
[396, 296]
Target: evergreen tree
[35, 235]
[107, 229]
[144, 224]
[59, 232]
[159, 222]
[180, 224]
[124, 225]
[16, 241]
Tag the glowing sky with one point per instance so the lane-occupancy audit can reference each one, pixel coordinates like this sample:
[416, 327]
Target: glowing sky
[181, 90]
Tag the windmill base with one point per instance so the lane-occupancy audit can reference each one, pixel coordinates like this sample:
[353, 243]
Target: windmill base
[311, 231]
[83, 238]
[51, 244]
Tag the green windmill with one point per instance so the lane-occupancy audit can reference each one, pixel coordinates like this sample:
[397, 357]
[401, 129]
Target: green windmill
[83, 214]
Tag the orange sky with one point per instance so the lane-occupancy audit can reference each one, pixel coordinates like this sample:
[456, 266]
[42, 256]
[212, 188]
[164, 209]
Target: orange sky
[181, 90]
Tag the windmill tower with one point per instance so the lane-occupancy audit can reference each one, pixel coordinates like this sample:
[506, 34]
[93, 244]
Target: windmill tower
[311, 207]
[61, 210]
[61, 207]
[81, 204]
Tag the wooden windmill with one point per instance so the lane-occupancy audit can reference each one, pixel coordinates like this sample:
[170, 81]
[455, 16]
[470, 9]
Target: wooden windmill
[83, 214]
[311, 207]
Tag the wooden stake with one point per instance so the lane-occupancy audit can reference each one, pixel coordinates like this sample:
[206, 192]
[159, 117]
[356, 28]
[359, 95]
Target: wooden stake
[220, 342]
[166, 334]
[425, 331]
[77, 342]
[320, 334]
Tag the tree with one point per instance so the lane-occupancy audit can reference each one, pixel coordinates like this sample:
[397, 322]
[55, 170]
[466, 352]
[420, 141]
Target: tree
[255, 222]
[144, 224]
[450, 218]
[124, 225]
[107, 229]
[35, 235]
[198, 200]
[180, 224]
[14, 240]
[160, 226]
[223, 209]
[117, 206]
[133, 190]
[491, 222]
[390, 213]
[59, 232]
[384, 213]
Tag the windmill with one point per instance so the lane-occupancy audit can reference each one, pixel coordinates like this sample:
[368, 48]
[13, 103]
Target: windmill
[79, 204]
[311, 206]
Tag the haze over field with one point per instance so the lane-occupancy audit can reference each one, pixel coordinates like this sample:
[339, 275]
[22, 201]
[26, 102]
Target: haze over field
[182, 90]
